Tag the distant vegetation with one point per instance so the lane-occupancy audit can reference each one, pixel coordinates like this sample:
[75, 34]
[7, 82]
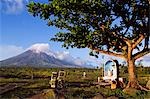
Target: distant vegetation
[38, 80]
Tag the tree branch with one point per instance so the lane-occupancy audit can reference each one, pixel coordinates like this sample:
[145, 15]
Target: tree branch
[138, 41]
[127, 41]
[107, 52]
[141, 53]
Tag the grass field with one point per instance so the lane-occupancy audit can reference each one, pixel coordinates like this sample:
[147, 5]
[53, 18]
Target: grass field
[36, 80]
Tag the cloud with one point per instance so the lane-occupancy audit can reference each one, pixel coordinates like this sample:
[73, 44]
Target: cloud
[66, 56]
[40, 47]
[63, 55]
[145, 60]
[12, 6]
[93, 59]
[7, 51]
[79, 61]
[146, 57]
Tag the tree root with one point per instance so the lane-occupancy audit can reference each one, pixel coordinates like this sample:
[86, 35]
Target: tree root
[136, 85]
[133, 84]
[142, 88]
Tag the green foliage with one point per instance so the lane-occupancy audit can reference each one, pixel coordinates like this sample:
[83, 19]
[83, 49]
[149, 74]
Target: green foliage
[101, 24]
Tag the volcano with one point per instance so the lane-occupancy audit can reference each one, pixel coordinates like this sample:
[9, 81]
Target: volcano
[35, 59]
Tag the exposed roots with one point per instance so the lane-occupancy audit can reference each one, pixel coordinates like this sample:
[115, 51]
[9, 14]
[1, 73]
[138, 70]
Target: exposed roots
[136, 85]
[142, 88]
[133, 84]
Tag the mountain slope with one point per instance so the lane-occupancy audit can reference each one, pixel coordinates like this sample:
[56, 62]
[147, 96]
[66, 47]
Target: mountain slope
[32, 58]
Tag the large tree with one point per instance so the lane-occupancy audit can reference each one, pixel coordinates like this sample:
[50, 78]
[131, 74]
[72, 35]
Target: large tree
[115, 27]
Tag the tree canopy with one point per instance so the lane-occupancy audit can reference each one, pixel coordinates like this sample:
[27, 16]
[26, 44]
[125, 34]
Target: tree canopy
[105, 25]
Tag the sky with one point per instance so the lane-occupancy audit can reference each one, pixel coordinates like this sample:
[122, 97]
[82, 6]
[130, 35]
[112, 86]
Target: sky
[20, 31]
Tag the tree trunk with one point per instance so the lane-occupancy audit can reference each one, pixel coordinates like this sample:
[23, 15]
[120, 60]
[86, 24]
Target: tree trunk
[133, 82]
